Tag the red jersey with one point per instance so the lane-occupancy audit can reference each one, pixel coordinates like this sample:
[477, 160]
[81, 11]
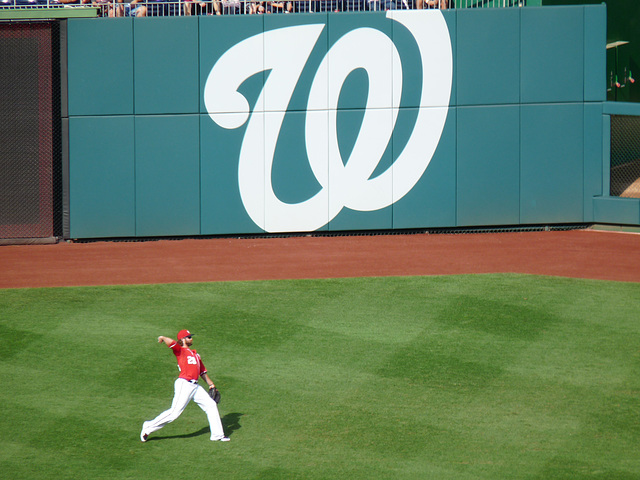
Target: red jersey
[189, 362]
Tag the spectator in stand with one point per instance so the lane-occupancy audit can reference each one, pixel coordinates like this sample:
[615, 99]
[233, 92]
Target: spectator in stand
[115, 8]
[439, 4]
[279, 7]
[270, 7]
[137, 9]
[189, 7]
[231, 7]
[257, 8]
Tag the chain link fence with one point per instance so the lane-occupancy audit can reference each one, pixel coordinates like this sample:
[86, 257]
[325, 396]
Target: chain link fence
[28, 139]
[625, 156]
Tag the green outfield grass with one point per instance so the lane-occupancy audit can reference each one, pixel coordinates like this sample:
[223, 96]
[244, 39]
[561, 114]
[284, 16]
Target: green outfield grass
[451, 377]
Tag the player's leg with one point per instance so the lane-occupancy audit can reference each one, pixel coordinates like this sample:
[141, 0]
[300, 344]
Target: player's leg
[206, 403]
[183, 393]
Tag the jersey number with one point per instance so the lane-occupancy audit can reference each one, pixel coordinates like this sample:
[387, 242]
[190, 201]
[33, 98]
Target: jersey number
[192, 361]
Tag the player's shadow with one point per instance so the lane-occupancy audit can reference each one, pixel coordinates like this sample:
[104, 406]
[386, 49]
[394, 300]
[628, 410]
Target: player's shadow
[202, 431]
[230, 422]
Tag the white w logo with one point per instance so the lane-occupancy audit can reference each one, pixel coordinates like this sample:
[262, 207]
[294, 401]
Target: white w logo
[344, 183]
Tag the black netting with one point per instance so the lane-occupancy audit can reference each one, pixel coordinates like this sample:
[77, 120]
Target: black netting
[625, 156]
[56, 131]
[27, 132]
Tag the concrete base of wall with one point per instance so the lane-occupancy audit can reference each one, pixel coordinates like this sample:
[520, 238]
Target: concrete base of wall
[616, 210]
[615, 228]
[29, 241]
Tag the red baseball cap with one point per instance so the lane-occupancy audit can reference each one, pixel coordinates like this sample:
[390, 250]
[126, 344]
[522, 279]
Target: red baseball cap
[184, 333]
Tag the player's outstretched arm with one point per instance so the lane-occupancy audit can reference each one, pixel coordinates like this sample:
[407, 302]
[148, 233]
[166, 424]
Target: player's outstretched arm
[168, 341]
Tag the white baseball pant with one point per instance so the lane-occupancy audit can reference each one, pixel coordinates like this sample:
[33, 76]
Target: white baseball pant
[185, 391]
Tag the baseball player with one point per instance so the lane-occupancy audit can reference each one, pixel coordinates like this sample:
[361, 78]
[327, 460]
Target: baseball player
[187, 389]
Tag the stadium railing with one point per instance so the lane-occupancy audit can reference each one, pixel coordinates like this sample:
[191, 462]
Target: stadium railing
[160, 8]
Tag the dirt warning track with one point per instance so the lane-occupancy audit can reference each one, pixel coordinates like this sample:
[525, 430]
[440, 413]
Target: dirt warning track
[576, 253]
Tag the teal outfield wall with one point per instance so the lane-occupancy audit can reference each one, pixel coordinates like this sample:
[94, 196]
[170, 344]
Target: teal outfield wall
[419, 119]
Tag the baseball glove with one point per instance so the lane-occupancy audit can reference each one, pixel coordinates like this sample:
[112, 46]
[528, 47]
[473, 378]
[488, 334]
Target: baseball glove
[215, 394]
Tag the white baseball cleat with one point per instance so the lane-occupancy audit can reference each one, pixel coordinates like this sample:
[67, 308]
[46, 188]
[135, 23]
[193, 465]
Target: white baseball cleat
[223, 439]
[143, 435]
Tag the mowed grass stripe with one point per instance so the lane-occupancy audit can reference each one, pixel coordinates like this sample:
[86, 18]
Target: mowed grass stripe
[479, 376]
